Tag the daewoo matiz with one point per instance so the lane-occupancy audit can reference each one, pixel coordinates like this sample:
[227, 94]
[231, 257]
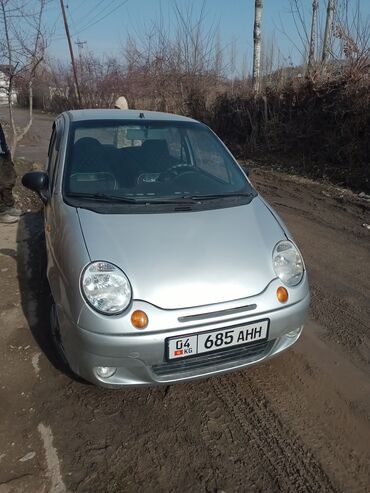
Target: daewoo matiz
[164, 262]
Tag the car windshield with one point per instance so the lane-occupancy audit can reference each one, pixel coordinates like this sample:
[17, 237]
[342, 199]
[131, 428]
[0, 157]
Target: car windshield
[149, 162]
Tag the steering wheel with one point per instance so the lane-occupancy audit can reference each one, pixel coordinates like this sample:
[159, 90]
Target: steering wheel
[175, 171]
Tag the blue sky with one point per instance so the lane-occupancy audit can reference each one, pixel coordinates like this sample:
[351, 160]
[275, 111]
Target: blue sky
[104, 24]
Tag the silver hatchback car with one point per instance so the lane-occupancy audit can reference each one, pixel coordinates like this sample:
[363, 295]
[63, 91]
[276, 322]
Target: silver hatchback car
[164, 263]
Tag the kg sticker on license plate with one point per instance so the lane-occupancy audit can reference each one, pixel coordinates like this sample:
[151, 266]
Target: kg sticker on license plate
[204, 342]
[182, 346]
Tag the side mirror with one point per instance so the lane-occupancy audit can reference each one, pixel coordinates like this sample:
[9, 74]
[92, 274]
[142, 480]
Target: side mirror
[38, 181]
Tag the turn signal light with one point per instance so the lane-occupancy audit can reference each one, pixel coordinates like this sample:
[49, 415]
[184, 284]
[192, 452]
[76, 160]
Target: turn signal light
[139, 319]
[282, 294]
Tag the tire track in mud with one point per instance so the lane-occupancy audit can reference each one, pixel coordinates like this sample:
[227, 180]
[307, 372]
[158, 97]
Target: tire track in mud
[266, 454]
[317, 414]
[224, 446]
[343, 321]
[238, 432]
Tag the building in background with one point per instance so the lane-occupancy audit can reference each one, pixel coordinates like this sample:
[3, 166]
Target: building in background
[4, 85]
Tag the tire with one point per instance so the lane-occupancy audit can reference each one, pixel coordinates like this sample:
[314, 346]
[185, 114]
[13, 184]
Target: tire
[56, 338]
[58, 345]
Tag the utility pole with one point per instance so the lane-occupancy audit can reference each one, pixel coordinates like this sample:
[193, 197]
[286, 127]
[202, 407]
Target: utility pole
[77, 89]
[328, 29]
[80, 47]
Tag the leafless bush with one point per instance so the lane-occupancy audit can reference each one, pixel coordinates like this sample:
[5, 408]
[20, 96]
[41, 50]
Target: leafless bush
[322, 124]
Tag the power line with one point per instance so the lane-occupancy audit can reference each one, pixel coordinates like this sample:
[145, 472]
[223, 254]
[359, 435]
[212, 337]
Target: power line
[93, 22]
[77, 24]
[81, 3]
[104, 17]
[94, 13]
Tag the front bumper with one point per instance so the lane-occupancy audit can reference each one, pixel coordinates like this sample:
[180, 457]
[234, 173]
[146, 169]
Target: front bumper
[139, 356]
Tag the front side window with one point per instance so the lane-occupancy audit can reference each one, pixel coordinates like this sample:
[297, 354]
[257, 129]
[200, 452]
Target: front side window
[52, 158]
[149, 162]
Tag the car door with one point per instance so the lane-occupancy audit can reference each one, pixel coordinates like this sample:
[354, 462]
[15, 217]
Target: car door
[50, 212]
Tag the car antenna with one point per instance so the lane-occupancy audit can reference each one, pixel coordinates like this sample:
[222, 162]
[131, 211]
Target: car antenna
[141, 115]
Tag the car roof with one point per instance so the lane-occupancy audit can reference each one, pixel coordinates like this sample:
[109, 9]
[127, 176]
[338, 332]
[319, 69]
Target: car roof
[116, 114]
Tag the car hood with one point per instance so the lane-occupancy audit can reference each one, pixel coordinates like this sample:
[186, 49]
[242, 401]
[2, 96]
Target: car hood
[187, 259]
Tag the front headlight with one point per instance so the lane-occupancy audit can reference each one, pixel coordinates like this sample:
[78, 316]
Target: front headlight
[288, 263]
[106, 288]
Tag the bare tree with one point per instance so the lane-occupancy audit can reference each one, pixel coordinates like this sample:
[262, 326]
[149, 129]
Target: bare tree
[178, 63]
[311, 51]
[258, 8]
[352, 35]
[328, 30]
[170, 62]
[22, 47]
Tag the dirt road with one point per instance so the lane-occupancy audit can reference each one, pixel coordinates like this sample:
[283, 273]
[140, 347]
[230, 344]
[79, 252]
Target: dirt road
[298, 423]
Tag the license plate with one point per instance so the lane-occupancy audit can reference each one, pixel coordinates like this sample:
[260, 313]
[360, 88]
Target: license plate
[206, 342]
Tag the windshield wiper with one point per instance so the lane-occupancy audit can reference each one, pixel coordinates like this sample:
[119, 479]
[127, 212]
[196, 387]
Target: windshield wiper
[220, 196]
[164, 200]
[141, 200]
[102, 197]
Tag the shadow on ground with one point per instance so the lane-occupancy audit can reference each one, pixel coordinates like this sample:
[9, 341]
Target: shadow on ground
[33, 284]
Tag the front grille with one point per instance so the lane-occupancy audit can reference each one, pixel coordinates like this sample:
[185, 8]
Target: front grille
[249, 352]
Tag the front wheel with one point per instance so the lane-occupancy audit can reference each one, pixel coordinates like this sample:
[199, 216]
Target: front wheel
[58, 345]
[56, 338]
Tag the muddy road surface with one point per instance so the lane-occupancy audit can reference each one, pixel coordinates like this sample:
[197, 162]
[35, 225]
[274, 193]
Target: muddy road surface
[298, 423]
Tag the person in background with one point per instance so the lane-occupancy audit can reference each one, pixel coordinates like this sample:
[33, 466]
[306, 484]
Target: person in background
[8, 213]
[121, 103]
[121, 135]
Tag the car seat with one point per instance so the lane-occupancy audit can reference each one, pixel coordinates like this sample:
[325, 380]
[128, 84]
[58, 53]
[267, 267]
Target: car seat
[91, 170]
